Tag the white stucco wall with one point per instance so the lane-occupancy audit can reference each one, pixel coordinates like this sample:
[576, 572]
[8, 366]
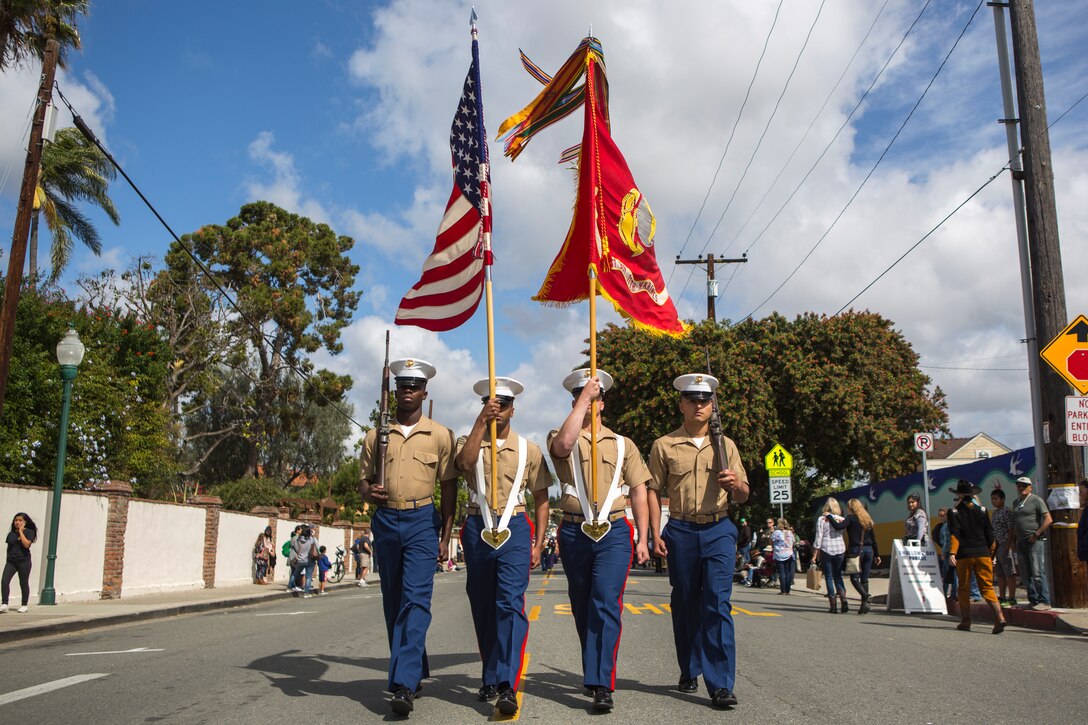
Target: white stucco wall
[234, 547]
[164, 548]
[80, 544]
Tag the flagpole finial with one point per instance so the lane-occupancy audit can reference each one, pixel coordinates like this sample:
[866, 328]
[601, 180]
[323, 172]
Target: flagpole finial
[473, 18]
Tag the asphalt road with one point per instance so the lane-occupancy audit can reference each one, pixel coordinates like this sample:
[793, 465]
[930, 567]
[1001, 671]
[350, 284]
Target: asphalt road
[324, 660]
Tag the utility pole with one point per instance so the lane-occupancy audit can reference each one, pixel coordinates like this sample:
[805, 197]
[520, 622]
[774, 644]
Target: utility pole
[711, 283]
[1060, 465]
[17, 257]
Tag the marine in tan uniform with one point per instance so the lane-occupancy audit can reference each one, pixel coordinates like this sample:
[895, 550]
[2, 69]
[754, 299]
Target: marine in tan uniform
[596, 539]
[501, 545]
[409, 535]
[699, 541]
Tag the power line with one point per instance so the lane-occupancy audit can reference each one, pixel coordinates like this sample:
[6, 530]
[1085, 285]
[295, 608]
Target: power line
[303, 375]
[878, 162]
[811, 125]
[767, 126]
[728, 143]
[924, 237]
[830, 143]
[759, 143]
[844, 124]
[960, 206]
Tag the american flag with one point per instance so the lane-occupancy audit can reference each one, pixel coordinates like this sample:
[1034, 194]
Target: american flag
[449, 290]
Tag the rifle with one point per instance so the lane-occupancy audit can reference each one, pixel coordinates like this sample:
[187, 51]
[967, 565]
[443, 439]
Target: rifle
[717, 441]
[383, 420]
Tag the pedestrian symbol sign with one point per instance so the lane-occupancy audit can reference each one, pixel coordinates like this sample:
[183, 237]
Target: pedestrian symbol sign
[1067, 353]
[778, 462]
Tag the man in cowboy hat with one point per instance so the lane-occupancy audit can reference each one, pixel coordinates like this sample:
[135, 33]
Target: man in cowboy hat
[971, 548]
[501, 545]
[408, 532]
[700, 542]
[595, 537]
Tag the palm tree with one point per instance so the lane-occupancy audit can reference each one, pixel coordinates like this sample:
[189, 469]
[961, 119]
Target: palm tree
[26, 25]
[72, 170]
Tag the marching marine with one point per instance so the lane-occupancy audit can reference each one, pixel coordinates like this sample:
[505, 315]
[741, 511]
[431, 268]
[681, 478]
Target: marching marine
[699, 541]
[409, 534]
[596, 540]
[501, 545]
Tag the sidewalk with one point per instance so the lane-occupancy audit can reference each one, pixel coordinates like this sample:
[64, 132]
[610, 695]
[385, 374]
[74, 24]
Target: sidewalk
[76, 616]
[1056, 620]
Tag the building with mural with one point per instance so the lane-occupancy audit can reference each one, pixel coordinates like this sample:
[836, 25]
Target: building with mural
[887, 500]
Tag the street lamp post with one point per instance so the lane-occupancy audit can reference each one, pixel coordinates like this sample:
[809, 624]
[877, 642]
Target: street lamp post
[69, 354]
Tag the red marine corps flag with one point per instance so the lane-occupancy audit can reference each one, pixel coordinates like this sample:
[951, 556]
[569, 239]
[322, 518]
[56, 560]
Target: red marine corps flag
[612, 233]
[453, 276]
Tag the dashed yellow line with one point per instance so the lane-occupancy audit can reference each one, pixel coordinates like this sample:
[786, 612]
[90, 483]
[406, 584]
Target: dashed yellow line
[756, 614]
[534, 613]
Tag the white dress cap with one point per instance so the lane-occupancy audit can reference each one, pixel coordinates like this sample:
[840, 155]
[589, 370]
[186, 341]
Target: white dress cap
[577, 380]
[697, 385]
[412, 369]
[504, 387]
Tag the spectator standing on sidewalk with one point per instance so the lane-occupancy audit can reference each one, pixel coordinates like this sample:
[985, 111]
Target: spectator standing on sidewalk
[362, 551]
[323, 566]
[971, 549]
[744, 539]
[304, 553]
[1001, 520]
[916, 527]
[289, 557]
[782, 542]
[830, 546]
[1031, 521]
[262, 553]
[862, 544]
[22, 534]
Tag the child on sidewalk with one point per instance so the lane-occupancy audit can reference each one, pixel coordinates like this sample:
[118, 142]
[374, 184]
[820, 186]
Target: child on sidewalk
[323, 566]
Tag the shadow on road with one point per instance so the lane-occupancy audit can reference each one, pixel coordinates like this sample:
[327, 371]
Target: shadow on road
[298, 674]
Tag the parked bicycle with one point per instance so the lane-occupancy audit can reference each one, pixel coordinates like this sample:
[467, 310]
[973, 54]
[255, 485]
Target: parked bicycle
[338, 566]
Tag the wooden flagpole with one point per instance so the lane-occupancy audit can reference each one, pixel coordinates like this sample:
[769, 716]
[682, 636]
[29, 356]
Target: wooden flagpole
[593, 373]
[493, 499]
[591, 101]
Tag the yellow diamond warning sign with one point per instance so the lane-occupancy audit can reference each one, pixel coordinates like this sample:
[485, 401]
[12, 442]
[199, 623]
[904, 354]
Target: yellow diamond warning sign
[1068, 354]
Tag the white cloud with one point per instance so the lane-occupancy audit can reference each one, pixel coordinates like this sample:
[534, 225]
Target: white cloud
[675, 92]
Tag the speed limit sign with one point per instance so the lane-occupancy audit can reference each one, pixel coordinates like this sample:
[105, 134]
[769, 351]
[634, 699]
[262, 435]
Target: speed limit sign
[923, 442]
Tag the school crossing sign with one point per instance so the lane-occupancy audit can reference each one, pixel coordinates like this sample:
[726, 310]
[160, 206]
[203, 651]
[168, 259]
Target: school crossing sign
[779, 465]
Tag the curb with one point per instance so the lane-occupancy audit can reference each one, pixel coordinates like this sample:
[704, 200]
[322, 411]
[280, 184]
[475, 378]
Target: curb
[171, 610]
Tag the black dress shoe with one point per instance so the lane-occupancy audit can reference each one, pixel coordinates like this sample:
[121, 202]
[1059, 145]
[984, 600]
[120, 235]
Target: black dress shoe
[602, 699]
[691, 685]
[723, 697]
[487, 693]
[507, 703]
[402, 702]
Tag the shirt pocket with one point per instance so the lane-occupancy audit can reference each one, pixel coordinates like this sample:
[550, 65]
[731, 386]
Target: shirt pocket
[428, 459]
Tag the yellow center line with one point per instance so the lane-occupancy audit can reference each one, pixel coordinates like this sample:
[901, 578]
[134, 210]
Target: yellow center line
[540, 593]
[534, 613]
[497, 716]
[756, 614]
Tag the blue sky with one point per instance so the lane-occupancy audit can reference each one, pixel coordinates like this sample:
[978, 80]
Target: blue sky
[340, 110]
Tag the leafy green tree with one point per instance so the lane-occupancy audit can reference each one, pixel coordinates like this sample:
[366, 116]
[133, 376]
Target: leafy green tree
[117, 423]
[185, 307]
[292, 280]
[245, 493]
[843, 394]
[72, 170]
[26, 26]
